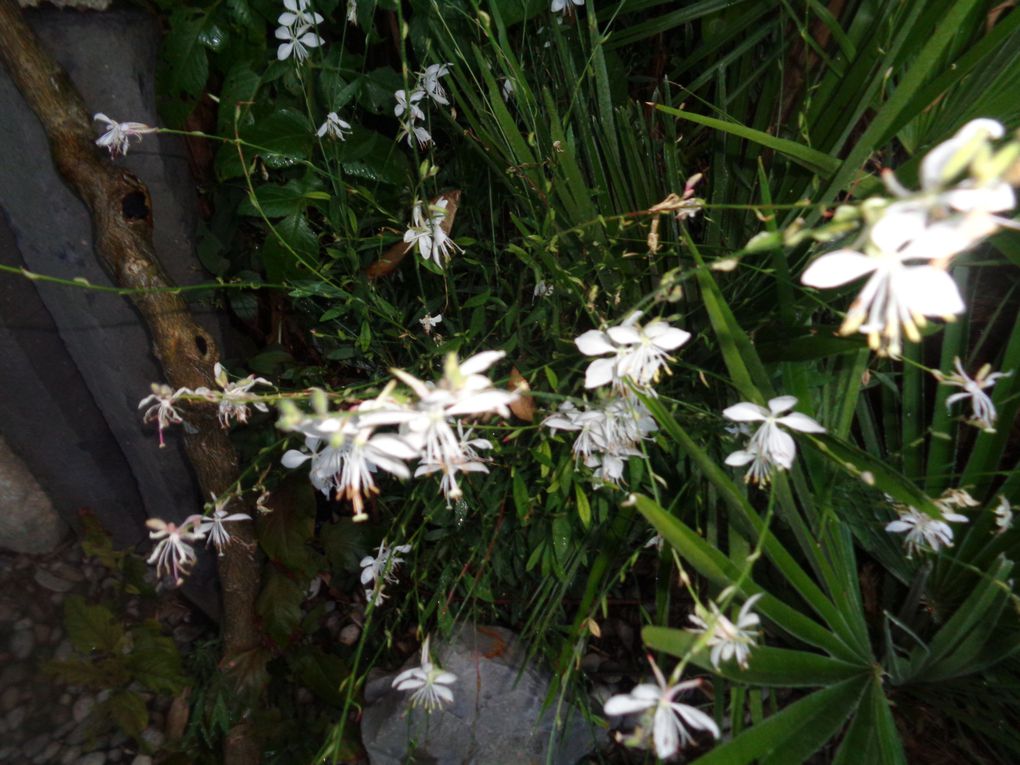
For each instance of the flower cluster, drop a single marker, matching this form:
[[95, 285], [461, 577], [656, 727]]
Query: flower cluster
[[983, 414], [607, 435], [769, 447], [637, 354], [346, 451], [726, 639], [926, 532], [297, 30], [379, 569], [408, 110], [669, 719], [234, 397], [911, 242], [428, 233], [429, 682]]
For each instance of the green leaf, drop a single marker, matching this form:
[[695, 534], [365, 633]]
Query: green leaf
[[281, 138], [279, 604], [795, 733], [283, 533], [815, 161], [583, 507], [154, 660], [320, 672], [872, 736], [128, 711], [91, 627], [372, 157], [240, 85], [291, 249], [346, 543], [777, 667]]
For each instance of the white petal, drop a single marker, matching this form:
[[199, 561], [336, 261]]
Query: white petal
[[292, 458], [670, 338], [928, 291], [625, 704], [781, 404], [696, 718], [594, 343], [599, 372], [801, 422], [745, 411], [838, 268], [480, 362], [898, 226], [739, 458], [624, 335]]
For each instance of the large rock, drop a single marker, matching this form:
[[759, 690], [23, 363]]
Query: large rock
[[75, 362], [28, 522], [497, 715]]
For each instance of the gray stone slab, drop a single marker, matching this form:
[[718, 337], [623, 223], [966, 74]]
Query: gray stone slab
[[497, 715]]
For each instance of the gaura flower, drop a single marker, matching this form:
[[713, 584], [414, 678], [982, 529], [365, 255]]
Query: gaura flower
[[670, 718], [923, 532], [296, 42], [905, 261], [769, 445], [409, 103], [564, 6], [297, 13], [542, 290], [638, 353], [334, 127], [429, 322], [163, 411], [983, 414], [173, 554], [430, 82], [728, 640], [382, 566], [213, 525], [428, 681], [428, 234], [118, 135]]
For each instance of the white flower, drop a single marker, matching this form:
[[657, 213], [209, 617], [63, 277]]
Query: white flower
[[639, 353], [955, 498], [507, 89], [542, 290], [1003, 515], [468, 462], [382, 567], [409, 103], [728, 640], [297, 14], [670, 719], [352, 12], [428, 235], [606, 436], [923, 532], [234, 400], [429, 322], [347, 462], [429, 682], [769, 445], [118, 135], [904, 285], [334, 127], [213, 525], [564, 6], [296, 42], [163, 411], [173, 554], [983, 414], [431, 85]]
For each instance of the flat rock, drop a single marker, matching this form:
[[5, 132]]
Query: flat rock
[[51, 582], [496, 717], [28, 521]]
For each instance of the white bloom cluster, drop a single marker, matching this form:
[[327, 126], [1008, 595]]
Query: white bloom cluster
[[607, 435], [911, 241], [670, 719], [235, 397], [983, 414], [297, 30], [346, 452], [407, 109], [428, 234], [118, 135], [380, 569], [638, 354], [925, 532], [726, 639], [769, 447]]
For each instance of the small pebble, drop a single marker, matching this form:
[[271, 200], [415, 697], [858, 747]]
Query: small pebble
[[82, 708], [51, 582], [142, 759], [21, 644], [93, 758]]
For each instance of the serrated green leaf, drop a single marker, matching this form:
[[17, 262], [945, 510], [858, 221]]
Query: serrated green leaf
[[91, 627], [128, 711]]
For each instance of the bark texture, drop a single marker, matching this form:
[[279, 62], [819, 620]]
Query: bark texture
[[121, 213]]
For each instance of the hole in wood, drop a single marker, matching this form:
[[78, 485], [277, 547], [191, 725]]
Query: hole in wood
[[134, 206], [201, 344]]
